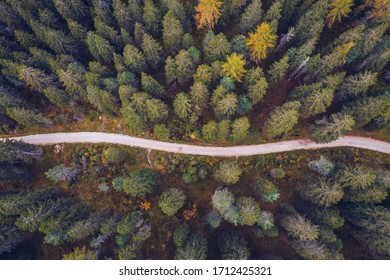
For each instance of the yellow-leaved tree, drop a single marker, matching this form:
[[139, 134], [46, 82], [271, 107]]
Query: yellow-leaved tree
[[259, 41], [338, 9], [234, 67], [207, 13]]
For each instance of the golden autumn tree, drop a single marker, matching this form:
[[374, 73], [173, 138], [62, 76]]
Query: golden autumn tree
[[379, 10], [234, 67], [207, 13], [338, 9], [259, 41]]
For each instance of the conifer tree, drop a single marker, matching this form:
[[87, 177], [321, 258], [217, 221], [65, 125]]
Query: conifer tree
[[260, 41], [234, 67], [153, 51], [282, 119], [240, 129], [151, 85], [258, 90], [134, 59], [172, 33], [182, 106], [338, 9], [151, 17], [278, 70], [216, 47], [251, 17], [331, 128], [207, 13], [28, 117], [99, 47], [210, 131], [227, 105]]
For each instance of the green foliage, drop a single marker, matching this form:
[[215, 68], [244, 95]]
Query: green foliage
[[114, 154], [358, 177], [151, 16], [171, 201], [228, 172], [182, 105], [226, 105], [213, 218], [299, 227], [161, 131], [28, 117], [210, 131], [62, 173], [249, 210], [134, 59], [215, 48], [141, 182], [233, 247], [203, 74], [195, 248], [80, 254], [151, 85], [240, 129], [282, 119], [153, 52], [257, 91], [99, 47], [172, 33], [331, 128], [320, 191], [180, 235], [14, 151], [223, 202], [266, 190], [323, 166], [128, 223], [251, 17], [356, 85], [266, 220]]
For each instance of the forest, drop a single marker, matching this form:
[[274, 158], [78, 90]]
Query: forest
[[207, 72]]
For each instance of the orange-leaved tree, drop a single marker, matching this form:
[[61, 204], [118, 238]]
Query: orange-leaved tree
[[234, 67], [338, 9], [207, 13], [259, 41]]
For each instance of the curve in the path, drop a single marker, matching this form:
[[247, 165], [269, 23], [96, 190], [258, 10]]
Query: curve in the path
[[304, 144]]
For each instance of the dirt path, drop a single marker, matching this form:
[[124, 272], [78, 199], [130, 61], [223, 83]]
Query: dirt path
[[303, 144]]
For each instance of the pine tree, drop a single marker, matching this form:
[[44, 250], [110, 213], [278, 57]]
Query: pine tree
[[233, 247], [228, 172], [320, 191], [156, 110], [172, 33], [249, 210], [37, 79], [153, 51], [151, 17], [260, 41], [367, 109], [122, 14], [299, 227], [217, 47], [282, 119], [171, 201], [210, 131], [207, 13], [99, 47], [258, 90], [370, 225], [338, 9], [103, 100], [331, 128], [240, 129], [28, 117], [182, 106], [331, 61], [317, 101], [134, 59], [199, 96], [185, 67], [315, 18], [14, 151], [70, 9], [151, 85], [223, 130], [227, 105], [251, 17], [274, 14], [356, 85], [278, 70]]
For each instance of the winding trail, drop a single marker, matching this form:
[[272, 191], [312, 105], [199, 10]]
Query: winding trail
[[233, 151]]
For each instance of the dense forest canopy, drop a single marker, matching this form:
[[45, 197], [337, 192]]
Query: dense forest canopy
[[234, 71]]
